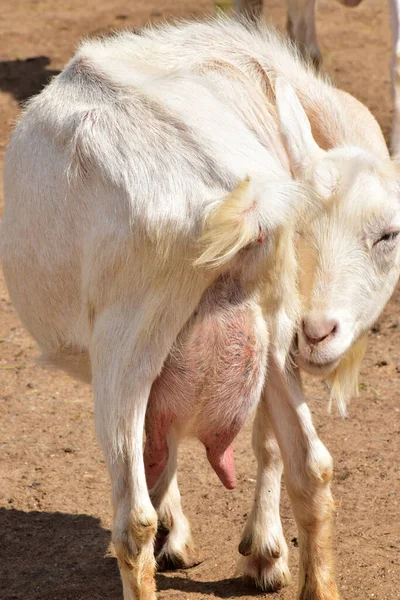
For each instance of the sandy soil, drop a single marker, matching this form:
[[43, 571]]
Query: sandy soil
[[55, 511]]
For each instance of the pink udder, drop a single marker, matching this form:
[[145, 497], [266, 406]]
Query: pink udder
[[219, 449], [211, 381], [223, 464]]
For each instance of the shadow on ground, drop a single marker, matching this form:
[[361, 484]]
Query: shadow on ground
[[222, 588], [57, 556], [25, 78]]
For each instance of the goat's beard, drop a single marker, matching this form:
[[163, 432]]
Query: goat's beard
[[343, 381], [341, 374]]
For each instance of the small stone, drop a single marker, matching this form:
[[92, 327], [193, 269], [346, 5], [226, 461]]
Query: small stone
[[382, 363]]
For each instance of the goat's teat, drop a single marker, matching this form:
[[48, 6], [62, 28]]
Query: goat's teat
[[318, 328]]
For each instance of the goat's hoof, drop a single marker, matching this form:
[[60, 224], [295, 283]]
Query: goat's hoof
[[266, 573], [327, 591], [170, 560], [171, 556]]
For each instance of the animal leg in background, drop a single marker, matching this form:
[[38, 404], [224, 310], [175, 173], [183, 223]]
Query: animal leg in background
[[395, 73], [251, 9], [301, 27]]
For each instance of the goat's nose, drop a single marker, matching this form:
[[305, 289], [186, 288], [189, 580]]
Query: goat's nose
[[317, 328]]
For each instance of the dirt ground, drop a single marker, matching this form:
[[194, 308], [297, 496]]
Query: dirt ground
[[55, 512]]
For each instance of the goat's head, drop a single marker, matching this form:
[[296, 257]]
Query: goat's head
[[348, 243]]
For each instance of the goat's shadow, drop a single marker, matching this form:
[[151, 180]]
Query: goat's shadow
[[48, 556], [24, 78], [221, 588]]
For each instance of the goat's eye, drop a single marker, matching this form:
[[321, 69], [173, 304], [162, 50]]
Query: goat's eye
[[390, 236]]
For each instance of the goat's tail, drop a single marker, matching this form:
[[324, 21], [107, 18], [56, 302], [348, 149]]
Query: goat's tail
[[343, 382], [229, 227]]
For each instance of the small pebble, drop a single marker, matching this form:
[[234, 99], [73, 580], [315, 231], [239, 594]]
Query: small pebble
[[382, 363]]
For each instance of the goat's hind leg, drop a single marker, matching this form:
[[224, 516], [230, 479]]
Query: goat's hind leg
[[126, 357], [174, 548], [263, 547], [121, 388]]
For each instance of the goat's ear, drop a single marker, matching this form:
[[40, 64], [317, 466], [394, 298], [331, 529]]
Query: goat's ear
[[231, 225], [325, 178], [295, 129]]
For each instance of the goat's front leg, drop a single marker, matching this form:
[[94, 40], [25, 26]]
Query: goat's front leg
[[395, 73], [301, 27], [174, 548], [263, 546], [308, 473]]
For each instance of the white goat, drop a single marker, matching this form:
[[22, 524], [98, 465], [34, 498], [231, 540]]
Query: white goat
[[109, 178], [302, 28]]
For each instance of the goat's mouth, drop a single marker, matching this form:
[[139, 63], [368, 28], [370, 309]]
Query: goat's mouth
[[317, 368], [319, 359]]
